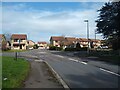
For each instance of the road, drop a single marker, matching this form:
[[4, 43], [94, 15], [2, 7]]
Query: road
[[77, 73]]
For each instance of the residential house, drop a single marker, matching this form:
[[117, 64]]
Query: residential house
[[96, 42], [42, 45], [57, 41], [19, 41], [30, 44], [83, 42], [70, 42]]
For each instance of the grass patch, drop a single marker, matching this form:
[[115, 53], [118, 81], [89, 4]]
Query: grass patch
[[14, 71], [15, 51]]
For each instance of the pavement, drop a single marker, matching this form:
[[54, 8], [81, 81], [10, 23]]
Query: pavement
[[40, 77], [77, 72]]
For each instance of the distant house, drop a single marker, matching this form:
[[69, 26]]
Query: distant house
[[42, 45], [30, 44], [64, 42], [83, 42], [19, 41], [57, 41], [70, 42], [96, 42]]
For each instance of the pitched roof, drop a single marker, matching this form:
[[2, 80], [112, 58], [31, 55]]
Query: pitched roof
[[68, 43], [95, 40], [70, 39], [19, 36], [83, 39], [42, 43], [57, 38]]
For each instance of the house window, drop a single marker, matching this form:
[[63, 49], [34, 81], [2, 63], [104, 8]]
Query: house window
[[15, 40], [56, 41]]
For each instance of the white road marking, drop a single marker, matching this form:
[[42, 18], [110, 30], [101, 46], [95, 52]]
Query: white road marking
[[83, 63], [73, 59], [109, 72], [59, 56], [39, 60]]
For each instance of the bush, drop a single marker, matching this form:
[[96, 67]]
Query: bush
[[59, 48], [70, 49], [76, 49], [52, 47], [55, 48], [83, 49], [35, 46]]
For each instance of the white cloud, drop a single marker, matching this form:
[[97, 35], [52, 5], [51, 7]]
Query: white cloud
[[70, 23]]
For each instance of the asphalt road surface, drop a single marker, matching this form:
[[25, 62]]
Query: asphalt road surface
[[77, 73]]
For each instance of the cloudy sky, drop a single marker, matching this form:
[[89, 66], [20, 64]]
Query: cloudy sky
[[41, 20]]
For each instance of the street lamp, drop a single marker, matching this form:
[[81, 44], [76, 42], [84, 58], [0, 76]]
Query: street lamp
[[95, 40], [87, 34]]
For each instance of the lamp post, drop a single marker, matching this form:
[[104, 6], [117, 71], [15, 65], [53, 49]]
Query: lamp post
[[87, 34], [95, 41]]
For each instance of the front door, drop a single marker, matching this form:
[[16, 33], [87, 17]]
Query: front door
[[20, 46]]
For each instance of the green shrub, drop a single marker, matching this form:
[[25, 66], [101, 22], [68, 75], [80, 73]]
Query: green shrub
[[76, 49], [70, 49], [35, 46], [83, 49], [52, 47], [59, 48], [55, 48]]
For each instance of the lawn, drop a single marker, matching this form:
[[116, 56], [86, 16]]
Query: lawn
[[14, 71], [15, 51]]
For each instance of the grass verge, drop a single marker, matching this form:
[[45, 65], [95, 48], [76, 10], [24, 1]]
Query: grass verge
[[14, 71], [15, 51]]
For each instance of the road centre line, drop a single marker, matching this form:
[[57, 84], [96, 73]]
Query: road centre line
[[109, 71], [59, 56], [83, 63], [77, 61], [39, 60], [73, 59]]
